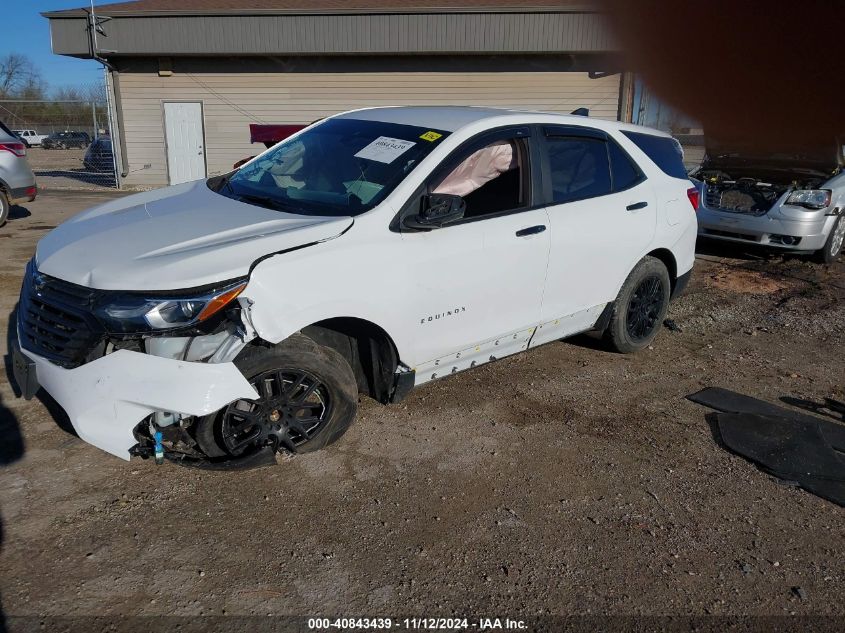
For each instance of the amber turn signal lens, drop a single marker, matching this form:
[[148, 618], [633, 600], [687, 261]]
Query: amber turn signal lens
[[219, 302]]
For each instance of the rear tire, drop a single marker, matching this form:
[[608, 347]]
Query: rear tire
[[246, 426], [5, 207], [833, 246], [640, 307]]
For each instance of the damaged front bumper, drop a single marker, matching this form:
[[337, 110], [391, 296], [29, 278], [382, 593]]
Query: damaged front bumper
[[107, 398]]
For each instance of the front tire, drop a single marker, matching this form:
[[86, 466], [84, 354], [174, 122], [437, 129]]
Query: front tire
[[640, 307], [5, 206], [309, 398], [833, 246]]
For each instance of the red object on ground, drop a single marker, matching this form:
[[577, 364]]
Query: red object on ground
[[271, 134]]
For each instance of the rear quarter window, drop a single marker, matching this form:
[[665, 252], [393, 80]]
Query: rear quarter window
[[665, 152], [625, 171]]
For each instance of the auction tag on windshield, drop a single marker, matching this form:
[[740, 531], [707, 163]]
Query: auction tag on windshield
[[385, 149], [430, 136]]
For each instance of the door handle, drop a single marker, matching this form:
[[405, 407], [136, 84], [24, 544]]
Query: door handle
[[636, 206], [531, 230]]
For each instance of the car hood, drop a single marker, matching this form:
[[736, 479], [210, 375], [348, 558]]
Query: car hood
[[178, 237], [737, 158]]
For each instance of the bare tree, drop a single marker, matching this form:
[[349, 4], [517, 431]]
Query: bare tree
[[69, 93], [96, 91], [18, 74]]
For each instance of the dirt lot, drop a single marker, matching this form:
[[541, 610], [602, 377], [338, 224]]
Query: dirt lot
[[564, 481], [64, 169]]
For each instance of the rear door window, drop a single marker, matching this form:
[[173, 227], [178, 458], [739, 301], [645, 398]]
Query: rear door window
[[664, 151], [578, 168]]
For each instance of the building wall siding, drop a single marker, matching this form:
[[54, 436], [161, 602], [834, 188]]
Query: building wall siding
[[571, 32], [232, 101]]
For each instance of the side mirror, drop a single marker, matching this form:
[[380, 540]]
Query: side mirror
[[437, 210]]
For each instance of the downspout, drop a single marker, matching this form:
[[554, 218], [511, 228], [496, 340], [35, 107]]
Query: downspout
[[115, 82], [118, 114]]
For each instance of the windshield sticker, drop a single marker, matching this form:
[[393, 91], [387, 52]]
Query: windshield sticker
[[385, 149], [430, 136]]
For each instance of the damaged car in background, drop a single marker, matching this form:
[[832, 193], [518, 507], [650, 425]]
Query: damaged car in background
[[218, 322], [787, 200]]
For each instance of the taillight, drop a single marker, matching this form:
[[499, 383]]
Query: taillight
[[18, 149], [693, 194]]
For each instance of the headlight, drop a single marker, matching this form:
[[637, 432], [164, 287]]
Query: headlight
[[137, 312], [814, 199]]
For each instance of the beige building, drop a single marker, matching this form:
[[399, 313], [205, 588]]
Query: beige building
[[186, 82]]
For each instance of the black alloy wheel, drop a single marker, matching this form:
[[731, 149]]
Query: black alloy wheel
[[307, 399], [640, 307], [644, 310], [294, 407]]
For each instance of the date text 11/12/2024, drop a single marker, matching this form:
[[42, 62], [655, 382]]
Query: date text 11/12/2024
[[443, 624]]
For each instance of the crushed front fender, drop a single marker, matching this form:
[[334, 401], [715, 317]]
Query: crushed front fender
[[108, 397]]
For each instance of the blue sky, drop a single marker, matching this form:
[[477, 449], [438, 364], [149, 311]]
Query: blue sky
[[27, 32]]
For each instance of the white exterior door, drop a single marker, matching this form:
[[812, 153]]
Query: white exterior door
[[185, 141], [597, 234], [476, 282]]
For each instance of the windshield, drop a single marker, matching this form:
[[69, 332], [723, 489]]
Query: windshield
[[338, 167]]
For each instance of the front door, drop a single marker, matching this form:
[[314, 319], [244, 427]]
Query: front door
[[185, 141], [477, 285]]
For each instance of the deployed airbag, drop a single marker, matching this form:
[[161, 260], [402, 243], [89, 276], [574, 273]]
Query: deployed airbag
[[479, 168]]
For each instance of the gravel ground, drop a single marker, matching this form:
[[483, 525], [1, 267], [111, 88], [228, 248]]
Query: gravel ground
[[564, 481]]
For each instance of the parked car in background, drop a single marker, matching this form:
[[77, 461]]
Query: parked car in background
[[99, 156], [66, 140], [221, 320], [788, 200], [31, 138], [17, 182]]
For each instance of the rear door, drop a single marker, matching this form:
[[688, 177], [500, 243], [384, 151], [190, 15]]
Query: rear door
[[602, 218]]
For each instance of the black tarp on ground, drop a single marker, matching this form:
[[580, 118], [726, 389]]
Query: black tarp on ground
[[787, 444]]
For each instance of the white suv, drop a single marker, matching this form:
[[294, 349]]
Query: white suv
[[219, 321], [31, 138]]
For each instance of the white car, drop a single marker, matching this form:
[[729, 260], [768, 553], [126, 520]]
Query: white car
[[219, 321], [30, 137], [790, 200]]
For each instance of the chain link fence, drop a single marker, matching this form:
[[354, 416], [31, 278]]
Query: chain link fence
[[69, 142]]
